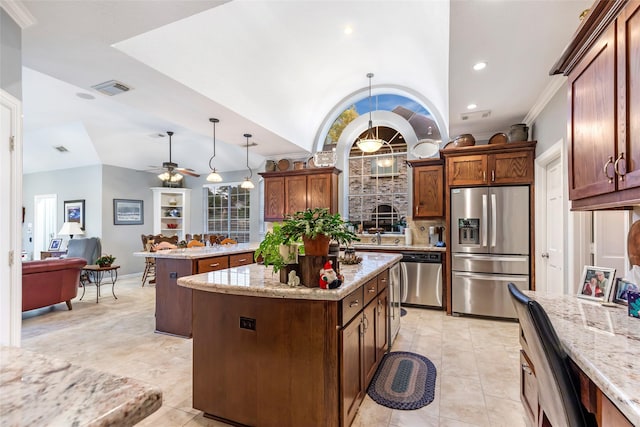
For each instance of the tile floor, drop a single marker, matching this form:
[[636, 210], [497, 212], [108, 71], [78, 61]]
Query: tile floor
[[477, 359]]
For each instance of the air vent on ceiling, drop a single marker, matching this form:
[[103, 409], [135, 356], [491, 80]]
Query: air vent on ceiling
[[61, 148], [112, 87], [475, 115]]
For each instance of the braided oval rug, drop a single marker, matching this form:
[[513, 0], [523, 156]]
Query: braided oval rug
[[404, 380]]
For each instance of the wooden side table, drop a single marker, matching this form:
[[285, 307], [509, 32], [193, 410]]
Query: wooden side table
[[51, 254], [97, 273]]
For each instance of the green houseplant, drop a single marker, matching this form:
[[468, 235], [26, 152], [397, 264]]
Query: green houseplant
[[317, 227], [275, 249], [105, 260]]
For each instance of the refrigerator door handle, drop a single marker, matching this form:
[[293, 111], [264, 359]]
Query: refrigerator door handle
[[493, 220], [484, 220], [491, 277]]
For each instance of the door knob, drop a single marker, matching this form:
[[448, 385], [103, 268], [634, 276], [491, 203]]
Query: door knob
[[545, 255]]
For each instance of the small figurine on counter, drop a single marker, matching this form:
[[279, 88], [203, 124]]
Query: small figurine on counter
[[294, 280], [329, 279]]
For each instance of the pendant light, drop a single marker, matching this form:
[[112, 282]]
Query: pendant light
[[370, 143], [247, 184], [214, 176], [170, 175]]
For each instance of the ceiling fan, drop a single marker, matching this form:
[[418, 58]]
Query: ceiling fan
[[172, 170]]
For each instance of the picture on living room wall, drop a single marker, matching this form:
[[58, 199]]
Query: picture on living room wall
[[74, 212], [596, 283], [55, 244], [128, 212]]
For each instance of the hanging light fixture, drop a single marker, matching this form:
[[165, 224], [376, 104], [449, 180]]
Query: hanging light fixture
[[170, 175], [247, 184], [370, 143], [214, 176]]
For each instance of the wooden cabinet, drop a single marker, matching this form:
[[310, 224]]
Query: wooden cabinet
[[528, 389], [491, 164], [293, 191], [603, 66], [171, 211], [428, 188], [364, 340]]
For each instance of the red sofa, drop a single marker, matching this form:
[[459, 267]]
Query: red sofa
[[50, 281]]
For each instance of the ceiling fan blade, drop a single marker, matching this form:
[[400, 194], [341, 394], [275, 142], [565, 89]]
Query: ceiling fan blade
[[188, 171]]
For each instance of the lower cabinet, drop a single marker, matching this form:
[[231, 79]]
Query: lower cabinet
[[364, 340], [528, 389]]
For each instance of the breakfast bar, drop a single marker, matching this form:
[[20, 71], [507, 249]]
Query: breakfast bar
[[268, 354]]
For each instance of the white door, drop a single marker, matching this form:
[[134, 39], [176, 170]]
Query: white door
[[45, 220], [610, 230], [550, 262]]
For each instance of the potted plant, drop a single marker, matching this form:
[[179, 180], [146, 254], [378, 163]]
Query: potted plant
[[276, 249], [317, 227], [105, 260]]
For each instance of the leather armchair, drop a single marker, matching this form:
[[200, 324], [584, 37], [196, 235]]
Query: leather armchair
[[89, 248], [50, 281]]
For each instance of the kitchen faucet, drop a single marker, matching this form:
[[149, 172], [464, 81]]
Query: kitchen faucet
[[378, 238]]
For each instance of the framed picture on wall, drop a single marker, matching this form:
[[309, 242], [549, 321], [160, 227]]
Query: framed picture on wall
[[74, 212], [596, 283], [128, 212]]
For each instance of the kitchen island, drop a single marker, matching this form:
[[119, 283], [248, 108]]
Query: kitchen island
[[173, 303], [268, 354], [603, 343], [38, 390]]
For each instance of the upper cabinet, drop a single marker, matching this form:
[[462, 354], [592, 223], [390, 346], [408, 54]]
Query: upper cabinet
[[171, 211], [501, 164], [603, 68], [292, 191], [428, 188]]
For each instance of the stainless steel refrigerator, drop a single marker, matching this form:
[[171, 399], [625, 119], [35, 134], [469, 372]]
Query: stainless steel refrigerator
[[490, 228]]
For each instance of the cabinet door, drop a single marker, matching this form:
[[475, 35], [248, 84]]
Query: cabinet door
[[511, 168], [295, 194], [528, 389], [369, 350], [351, 370], [592, 126], [319, 194], [628, 160], [467, 170], [428, 191], [382, 327], [274, 199]]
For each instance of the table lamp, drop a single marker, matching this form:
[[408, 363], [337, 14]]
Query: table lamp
[[70, 229]]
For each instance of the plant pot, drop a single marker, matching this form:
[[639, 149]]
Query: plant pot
[[104, 265], [316, 247]]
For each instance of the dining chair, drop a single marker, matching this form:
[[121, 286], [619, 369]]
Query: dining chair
[[559, 397], [149, 262]]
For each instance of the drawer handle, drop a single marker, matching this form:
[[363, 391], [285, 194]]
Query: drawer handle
[[527, 369], [605, 170], [372, 290], [617, 170], [366, 323], [242, 260], [383, 280], [214, 265], [354, 303]]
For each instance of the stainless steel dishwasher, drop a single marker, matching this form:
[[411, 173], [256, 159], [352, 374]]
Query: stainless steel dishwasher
[[421, 279]]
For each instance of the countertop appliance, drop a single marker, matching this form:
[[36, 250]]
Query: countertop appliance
[[421, 278], [489, 248], [394, 303]]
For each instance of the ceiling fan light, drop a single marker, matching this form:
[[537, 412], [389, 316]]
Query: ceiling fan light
[[214, 177], [369, 145], [171, 177], [247, 184]]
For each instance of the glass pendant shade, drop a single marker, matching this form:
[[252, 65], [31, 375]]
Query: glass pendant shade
[[247, 184], [385, 162], [171, 177], [214, 177], [370, 143]]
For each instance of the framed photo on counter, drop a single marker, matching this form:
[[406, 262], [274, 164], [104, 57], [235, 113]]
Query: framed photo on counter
[[620, 291], [596, 283]]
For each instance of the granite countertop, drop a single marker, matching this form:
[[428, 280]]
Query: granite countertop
[[398, 247], [38, 390], [200, 252], [258, 280], [604, 342]]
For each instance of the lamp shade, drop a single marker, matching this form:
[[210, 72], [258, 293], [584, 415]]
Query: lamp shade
[[369, 145], [247, 184], [70, 229]]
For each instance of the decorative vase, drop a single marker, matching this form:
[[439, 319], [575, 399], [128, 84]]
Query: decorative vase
[[518, 132], [318, 246]]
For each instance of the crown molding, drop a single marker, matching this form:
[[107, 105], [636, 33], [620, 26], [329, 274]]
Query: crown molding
[[18, 12], [548, 92]]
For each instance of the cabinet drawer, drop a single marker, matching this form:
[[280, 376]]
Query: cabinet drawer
[[352, 304], [212, 264], [383, 280], [370, 290], [236, 260]]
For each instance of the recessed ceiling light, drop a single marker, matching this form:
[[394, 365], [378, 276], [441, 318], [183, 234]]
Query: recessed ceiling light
[[472, 107], [348, 29], [480, 65]]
